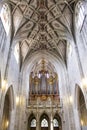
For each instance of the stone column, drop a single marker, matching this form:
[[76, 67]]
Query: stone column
[[51, 122], [37, 122], [77, 119]]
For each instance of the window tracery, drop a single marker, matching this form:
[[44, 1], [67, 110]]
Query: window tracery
[[33, 123], [81, 21], [80, 14], [3, 36], [44, 123], [5, 17], [55, 123]]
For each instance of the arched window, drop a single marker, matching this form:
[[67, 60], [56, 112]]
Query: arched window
[[5, 24], [33, 123], [7, 109], [81, 21], [3, 36], [5, 17], [55, 123], [44, 123], [80, 14]]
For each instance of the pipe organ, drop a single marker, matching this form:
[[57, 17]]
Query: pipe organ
[[43, 83]]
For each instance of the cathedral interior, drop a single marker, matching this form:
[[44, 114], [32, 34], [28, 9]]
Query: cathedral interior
[[43, 65]]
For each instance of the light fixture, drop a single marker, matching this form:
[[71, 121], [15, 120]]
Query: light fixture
[[4, 85], [20, 100], [81, 122], [84, 83], [71, 99], [7, 123], [17, 100]]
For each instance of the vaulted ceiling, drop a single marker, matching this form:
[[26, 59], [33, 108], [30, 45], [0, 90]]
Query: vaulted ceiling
[[42, 25]]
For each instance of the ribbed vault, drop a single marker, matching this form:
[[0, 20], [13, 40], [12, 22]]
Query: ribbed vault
[[42, 25]]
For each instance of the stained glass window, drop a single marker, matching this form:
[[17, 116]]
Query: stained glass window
[[80, 14], [55, 123], [33, 123], [44, 123], [5, 17]]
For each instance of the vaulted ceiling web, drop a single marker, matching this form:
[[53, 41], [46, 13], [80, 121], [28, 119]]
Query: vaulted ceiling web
[[42, 25]]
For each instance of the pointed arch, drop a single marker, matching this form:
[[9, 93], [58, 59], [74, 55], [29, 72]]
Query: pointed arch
[[31, 122], [80, 107], [7, 109], [44, 122], [57, 123], [11, 95], [78, 89]]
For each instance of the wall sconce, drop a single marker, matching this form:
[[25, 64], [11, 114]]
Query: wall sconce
[[17, 100], [71, 99], [82, 122], [84, 83], [7, 123], [4, 85]]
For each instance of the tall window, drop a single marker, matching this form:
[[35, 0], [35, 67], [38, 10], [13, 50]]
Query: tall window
[[81, 21], [80, 14], [5, 17], [55, 123], [44, 123], [33, 123], [3, 36]]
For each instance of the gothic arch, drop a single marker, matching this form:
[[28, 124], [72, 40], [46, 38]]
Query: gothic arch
[[44, 113], [7, 109], [44, 122], [76, 99], [80, 107], [31, 122], [59, 66], [58, 119], [11, 95]]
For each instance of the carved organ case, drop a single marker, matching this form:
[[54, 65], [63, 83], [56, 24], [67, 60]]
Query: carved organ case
[[43, 81]]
